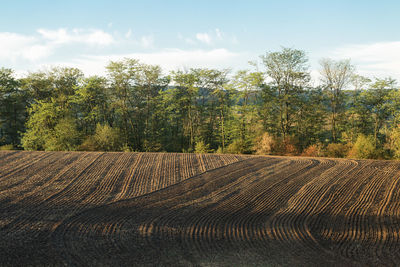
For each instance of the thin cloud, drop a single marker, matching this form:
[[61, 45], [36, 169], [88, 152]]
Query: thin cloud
[[128, 34], [374, 60], [204, 38], [169, 59], [219, 34], [186, 40], [46, 48], [147, 41], [64, 36], [15, 46]]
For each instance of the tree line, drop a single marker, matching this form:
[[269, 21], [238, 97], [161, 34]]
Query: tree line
[[273, 109]]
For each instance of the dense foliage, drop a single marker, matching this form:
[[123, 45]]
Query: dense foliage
[[135, 107]]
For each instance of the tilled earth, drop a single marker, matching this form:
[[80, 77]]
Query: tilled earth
[[166, 209]]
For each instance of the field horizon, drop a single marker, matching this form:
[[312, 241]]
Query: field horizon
[[181, 209]]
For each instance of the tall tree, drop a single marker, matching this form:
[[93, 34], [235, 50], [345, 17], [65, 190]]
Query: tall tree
[[376, 102], [187, 93], [13, 103], [288, 71], [122, 80], [149, 83], [92, 104], [336, 76], [248, 85]]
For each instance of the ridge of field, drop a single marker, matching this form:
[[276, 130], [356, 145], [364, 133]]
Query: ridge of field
[[118, 209]]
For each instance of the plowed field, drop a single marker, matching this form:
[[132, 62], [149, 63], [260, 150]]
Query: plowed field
[[164, 209]]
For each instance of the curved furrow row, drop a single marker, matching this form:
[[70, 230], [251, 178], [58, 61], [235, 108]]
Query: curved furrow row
[[128, 180], [234, 202], [372, 230], [326, 224], [392, 219], [38, 206], [384, 230], [111, 181], [314, 196], [155, 172], [142, 176], [256, 204], [36, 185], [163, 202], [200, 234], [354, 232], [10, 157], [11, 177], [83, 209], [206, 227], [288, 224], [13, 160], [170, 219], [29, 193], [336, 207]]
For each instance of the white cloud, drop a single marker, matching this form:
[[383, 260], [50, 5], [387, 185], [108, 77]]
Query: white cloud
[[63, 36], [219, 34], [47, 47], [147, 41], [234, 40], [374, 60], [15, 46], [169, 59], [128, 34], [97, 37], [186, 40], [204, 37]]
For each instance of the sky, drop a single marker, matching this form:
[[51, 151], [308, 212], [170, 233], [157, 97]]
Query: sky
[[35, 35]]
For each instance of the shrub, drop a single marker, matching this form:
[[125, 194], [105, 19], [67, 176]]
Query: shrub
[[337, 150], [314, 150], [220, 150], [151, 146], [64, 137], [236, 147], [287, 146], [265, 144], [363, 148], [394, 142], [105, 138], [201, 147], [7, 147], [34, 139]]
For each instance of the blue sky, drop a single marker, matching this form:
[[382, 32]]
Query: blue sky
[[183, 34]]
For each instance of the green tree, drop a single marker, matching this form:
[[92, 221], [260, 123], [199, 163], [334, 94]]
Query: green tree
[[248, 86], [378, 109], [125, 99], [13, 103], [43, 118], [288, 71], [336, 76], [309, 120], [64, 136], [149, 83], [186, 94], [105, 138], [363, 148], [394, 141], [357, 113], [91, 104]]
